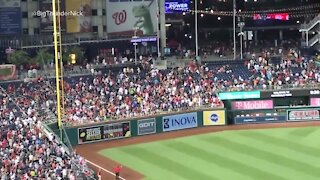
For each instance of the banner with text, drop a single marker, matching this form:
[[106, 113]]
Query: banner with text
[[248, 105], [81, 22], [124, 17], [179, 121], [259, 119], [46, 16], [303, 114], [239, 95], [10, 17], [147, 126], [290, 93], [104, 132], [176, 6], [217, 117]]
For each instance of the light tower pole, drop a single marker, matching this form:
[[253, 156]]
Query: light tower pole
[[241, 25], [135, 37], [196, 27], [234, 30]]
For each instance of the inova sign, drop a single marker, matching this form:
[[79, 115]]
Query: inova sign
[[146, 126], [180, 121]]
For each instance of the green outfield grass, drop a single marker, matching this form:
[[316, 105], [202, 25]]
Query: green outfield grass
[[272, 154]]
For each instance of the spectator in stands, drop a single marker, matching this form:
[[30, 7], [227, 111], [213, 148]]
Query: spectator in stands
[[25, 151]]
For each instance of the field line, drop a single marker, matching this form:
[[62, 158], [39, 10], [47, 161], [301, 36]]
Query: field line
[[103, 169]]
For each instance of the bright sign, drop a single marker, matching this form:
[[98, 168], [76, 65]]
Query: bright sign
[[126, 17], [315, 101], [247, 105], [239, 95], [176, 6], [145, 39], [272, 16]]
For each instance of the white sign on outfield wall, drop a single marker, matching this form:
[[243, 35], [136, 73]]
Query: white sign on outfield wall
[[125, 16]]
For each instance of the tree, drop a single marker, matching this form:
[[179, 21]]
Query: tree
[[19, 57], [43, 57], [78, 51]]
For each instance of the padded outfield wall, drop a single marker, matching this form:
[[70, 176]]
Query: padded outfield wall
[[119, 129], [114, 130]]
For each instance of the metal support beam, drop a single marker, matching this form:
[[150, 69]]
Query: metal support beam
[[163, 36], [196, 27], [234, 30]]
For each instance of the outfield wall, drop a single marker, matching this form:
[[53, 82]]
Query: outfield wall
[[278, 114], [144, 126], [240, 108], [179, 121]]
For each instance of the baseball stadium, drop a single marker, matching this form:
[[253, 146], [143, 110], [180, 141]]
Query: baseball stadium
[[160, 89]]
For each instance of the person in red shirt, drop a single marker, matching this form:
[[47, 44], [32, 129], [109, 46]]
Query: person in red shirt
[[117, 170]]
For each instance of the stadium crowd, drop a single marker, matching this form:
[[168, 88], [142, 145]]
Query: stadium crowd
[[130, 92], [262, 73], [145, 90], [26, 151]]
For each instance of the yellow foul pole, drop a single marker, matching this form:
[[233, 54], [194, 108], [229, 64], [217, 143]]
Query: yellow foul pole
[[61, 62], [56, 54]]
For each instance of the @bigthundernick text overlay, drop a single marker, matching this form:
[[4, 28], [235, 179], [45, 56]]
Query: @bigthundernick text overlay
[[62, 13]]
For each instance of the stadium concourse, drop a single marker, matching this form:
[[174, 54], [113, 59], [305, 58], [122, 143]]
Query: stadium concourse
[[118, 93]]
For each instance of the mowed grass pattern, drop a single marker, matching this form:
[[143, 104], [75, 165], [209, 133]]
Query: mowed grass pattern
[[272, 154]]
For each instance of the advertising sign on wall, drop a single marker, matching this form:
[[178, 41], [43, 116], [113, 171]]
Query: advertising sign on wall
[[217, 117], [90, 134], [10, 17], [104, 132], [259, 119], [315, 101], [239, 95], [146, 126], [290, 93], [179, 121], [247, 105], [46, 16], [145, 39], [277, 94], [314, 92], [123, 17], [303, 115], [83, 21], [176, 6]]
